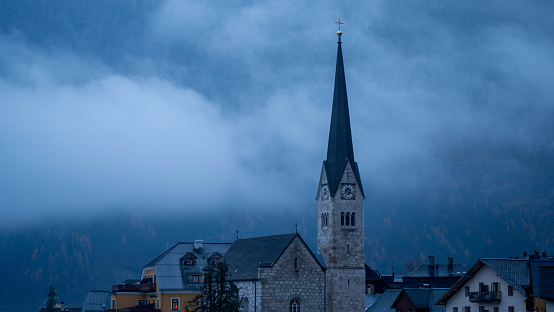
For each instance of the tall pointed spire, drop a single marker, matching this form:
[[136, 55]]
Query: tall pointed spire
[[339, 149]]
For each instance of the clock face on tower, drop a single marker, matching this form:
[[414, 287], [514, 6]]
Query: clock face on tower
[[325, 192], [348, 191]]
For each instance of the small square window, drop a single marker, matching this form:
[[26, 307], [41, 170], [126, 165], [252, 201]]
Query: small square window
[[455, 309]]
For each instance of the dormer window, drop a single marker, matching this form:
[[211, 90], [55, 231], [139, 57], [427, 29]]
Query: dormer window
[[214, 259], [188, 259]]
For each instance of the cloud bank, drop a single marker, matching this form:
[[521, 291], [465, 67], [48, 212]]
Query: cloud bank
[[185, 106]]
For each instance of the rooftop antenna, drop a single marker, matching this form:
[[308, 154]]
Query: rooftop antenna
[[237, 234]]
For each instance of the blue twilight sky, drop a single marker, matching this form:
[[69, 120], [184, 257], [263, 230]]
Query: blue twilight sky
[[198, 105]]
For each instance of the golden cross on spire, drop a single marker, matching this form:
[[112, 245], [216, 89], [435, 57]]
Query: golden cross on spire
[[339, 33], [339, 23]]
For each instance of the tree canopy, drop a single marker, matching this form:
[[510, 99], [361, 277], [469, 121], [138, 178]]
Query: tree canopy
[[218, 295]]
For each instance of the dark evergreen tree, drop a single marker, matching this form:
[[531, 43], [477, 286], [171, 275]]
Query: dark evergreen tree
[[51, 299], [218, 295]]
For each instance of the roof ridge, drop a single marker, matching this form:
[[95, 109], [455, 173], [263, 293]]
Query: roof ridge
[[258, 237]]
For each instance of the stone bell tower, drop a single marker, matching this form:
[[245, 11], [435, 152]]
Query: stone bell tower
[[340, 239]]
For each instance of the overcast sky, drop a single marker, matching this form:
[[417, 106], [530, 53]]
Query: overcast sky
[[184, 105]]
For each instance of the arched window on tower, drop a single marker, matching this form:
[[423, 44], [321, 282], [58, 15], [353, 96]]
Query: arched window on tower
[[347, 218], [353, 219], [323, 220], [342, 218], [294, 305]]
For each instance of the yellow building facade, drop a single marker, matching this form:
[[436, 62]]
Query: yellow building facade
[[169, 281]]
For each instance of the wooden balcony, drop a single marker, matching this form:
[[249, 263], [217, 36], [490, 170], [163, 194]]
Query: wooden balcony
[[488, 296], [145, 287], [140, 308]]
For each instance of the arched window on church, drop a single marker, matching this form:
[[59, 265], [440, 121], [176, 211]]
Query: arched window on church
[[353, 219], [294, 305], [347, 218], [342, 218], [322, 220]]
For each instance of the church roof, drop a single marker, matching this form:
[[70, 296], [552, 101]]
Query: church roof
[[246, 255], [339, 149]]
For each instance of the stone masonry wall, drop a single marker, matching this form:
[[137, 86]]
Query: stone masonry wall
[[282, 283], [250, 290]]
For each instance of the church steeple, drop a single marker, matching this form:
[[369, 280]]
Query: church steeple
[[340, 209], [339, 148]]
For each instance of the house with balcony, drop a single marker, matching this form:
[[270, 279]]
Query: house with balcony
[[170, 280], [500, 285]]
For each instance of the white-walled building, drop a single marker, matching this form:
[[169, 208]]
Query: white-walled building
[[497, 285]]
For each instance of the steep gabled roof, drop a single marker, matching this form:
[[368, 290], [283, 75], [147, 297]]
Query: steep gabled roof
[[419, 297], [246, 255], [339, 149], [385, 301], [423, 298], [515, 272]]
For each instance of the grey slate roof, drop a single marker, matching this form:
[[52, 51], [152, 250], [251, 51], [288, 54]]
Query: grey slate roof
[[425, 298], [371, 299], [339, 149], [385, 301], [514, 271], [96, 301], [546, 282], [171, 275], [246, 255], [436, 294], [419, 296], [438, 270]]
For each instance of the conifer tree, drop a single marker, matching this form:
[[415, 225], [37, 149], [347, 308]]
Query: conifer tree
[[218, 295], [51, 299]]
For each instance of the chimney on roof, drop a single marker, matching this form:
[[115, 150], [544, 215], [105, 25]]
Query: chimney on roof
[[544, 252], [431, 261], [198, 244], [537, 255], [450, 263]]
